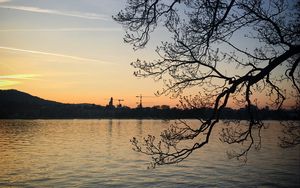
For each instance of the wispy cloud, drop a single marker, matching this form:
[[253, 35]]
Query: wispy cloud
[[84, 15], [53, 54], [15, 79], [19, 76], [4, 1], [5, 83], [63, 30]]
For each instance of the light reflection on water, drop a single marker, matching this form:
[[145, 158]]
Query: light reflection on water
[[97, 153]]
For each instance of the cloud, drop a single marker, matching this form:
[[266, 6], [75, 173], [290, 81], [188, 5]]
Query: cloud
[[19, 76], [4, 1], [53, 54], [15, 79], [5, 83], [63, 29], [84, 15]]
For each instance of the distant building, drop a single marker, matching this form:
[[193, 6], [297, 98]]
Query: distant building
[[110, 103]]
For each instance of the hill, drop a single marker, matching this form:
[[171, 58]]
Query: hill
[[13, 97], [17, 104]]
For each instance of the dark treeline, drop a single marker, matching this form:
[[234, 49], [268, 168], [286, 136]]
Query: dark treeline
[[18, 105]]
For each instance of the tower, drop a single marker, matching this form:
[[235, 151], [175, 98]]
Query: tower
[[111, 103]]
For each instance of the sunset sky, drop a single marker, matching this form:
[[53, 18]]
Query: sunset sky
[[72, 51]]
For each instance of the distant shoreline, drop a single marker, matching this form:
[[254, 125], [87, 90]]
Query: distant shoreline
[[19, 105]]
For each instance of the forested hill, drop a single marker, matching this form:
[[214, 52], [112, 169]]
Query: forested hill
[[14, 97], [19, 105]]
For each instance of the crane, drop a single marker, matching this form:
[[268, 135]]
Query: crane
[[140, 103], [119, 100]]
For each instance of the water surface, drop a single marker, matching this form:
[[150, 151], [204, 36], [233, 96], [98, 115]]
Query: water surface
[[97, 153]]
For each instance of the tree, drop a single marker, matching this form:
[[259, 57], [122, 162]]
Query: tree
[[205, 43]]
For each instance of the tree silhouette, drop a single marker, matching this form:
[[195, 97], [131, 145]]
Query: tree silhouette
[[207, 42]]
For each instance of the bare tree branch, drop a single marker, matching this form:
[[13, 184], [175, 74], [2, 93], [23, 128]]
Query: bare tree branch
[[201, 53]]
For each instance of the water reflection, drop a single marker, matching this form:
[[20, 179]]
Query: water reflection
[[119, 127], [15, 130], [139, 127], [97, 153], [109, 136]]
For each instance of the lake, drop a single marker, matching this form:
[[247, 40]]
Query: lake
[[97, 153]]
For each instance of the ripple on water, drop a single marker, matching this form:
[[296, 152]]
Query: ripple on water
[[97, 153]]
